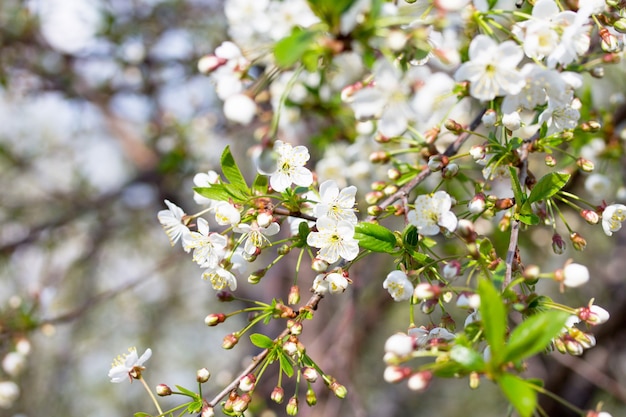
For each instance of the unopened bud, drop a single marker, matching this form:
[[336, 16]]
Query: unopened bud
[[163, 390], [203, 375], [478, 152], [210, 63], [247, 383], [465, 229], [278, 395], [578, 242], [477, 204], [214, 319], [451, 270], [428, 306], [374, 211], [531, 272], [393, 174], [284, 250], [292, 406], [295, 327], [378, 185], [426, 291], [453, 126], [591, 126], [241, 404], [255, 277], [437, 162], [585, 164], [558, 244], [590, 216], [550, 161], [474, 380], [419, 381], [207, 411], [339, 390], [573, 347], [593, 314], [620, 25], [374, 197], [609, 41], [489, 118], [379, 157], [319, 265], [311, 399], [394, 373], [390, 189], [503, 203], [230, 340], [294, 295], [310, 374], [450, 171]]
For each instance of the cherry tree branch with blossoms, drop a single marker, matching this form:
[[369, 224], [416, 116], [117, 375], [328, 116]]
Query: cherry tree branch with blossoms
[[399, 82]]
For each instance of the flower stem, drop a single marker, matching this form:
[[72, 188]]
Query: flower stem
[[154, 400]]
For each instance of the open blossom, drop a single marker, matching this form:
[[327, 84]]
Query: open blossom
[[173, 222], [337, 283], [338, 205], [290, 167], [492, 68], [129, 365], [398, 285], [335, 240], [208, 248], [612, 218], [220, 278], [256, 236], [432, 212]]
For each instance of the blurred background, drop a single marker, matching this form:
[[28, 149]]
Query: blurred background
[[103, 115]]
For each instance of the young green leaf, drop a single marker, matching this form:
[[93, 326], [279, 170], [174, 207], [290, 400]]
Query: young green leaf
[[519, 393], [232, 173], [290, 49], [285, 364], [471, 360], [534, 334], [547, 186], [493, 316], [519, 195], [375, 237], [259, 186], [262, 341], [187, 392]]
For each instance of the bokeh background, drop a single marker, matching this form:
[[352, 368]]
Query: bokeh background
[[103, 115]]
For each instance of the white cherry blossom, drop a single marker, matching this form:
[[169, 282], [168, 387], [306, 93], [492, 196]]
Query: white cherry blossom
[[290, 167], [612, 218], [336, 204], [433, 212], [491, 69], [226, 214], [220, 278], [398, 285], [335, 240], [208, 248], [256, 236], [173, 222], [128, 366]]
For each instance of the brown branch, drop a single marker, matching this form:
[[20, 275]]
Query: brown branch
[[311, 305], [452, 149]]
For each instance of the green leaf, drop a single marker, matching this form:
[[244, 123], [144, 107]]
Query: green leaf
[[469, 358], [232, 173], [519, 393], [222, 192], [187, 392], [285, 364], [375, 237], [519, 195], [410, 237], [547, 186], [493, 316], [330, 11], [259, 186], [290, 49], [530, 219], [534, 334], [262, 341], [303, 233], [142, 414]]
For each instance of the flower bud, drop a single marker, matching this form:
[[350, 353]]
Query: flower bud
[[585, 165], [284, 250], [477, 204], [590, 216], [453, 126], [478, 152], [558, 244], [620, 25], [578, 242], [277, 395], [428, 306], [394, 374], [214, 319], [393, 174], [419, 381], [374, 210], [531, 272], [593, 314], [390, 189], [210, 63], [295, 328], [450, 171], [503, 203], [572, 275], [573, 347], [163, 390], [339, 390], [426, 291], [240, 404], [310, 374], [319, 265], [247, 383], [465, 229], [550, 161], [374, 197], [294, 295], [207, 411], [609, 41], [203, 375], [489, 118], [379, 157], [512, 121], [255, 277], [437, 162], [14, 363], [230, 340], [597, 72], [292, 406], [474, 380]]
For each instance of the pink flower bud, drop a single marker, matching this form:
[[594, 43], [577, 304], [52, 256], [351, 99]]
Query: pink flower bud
[[278, 395], [247, 383], [419, 381], [394, 374], [590, 216]]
